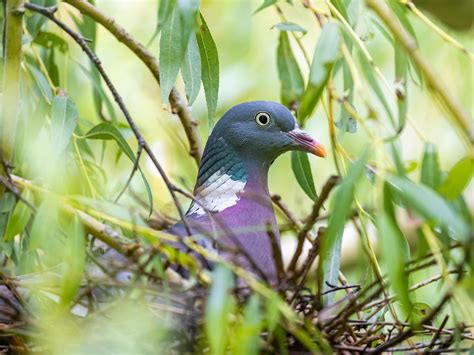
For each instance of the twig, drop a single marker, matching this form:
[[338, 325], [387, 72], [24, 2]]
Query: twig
[[406, 334], [459, 114], [435, 28], [335, 288], [14, 190], [136, 165], [295, 223], [49, 13], [332, 181], [177, 102], [411, 289], [276, 252], [438, 332], [307, 265]]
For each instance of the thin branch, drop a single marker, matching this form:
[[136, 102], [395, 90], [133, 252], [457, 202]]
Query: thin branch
[[406, 334], [438, 332], [460, 116], [136, 165], [332, 181], [49, 13], [15, 191], [276, 252], [177, 102]]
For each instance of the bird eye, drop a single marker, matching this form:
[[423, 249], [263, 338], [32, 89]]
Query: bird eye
[[262, 118]]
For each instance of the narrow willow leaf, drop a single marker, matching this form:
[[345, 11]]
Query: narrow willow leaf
[[165, 9], [19, 218], [395, 251], [51, 40], [401, 78], [458, 178], [290, 26], [44, 225], [99, 95], [401, 12], [396, 153], [248, 334], [302, 170], [106, 131], [41, 83], [188, 11], [191, 70], [428, 204], [430, 171], [73, 267], [36, 21], [291, 80], [219, 305], [209, 68], [52, 67], [330, 250], [7, 204], [63, 121], [325, 55], [172, 52], [341, 7], [368, 73], [346, 123], [266, 3]]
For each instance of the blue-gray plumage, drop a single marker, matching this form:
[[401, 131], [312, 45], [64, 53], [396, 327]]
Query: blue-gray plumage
[[234, 212]]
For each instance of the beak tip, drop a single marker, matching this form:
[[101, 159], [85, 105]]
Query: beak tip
[[320, 151]]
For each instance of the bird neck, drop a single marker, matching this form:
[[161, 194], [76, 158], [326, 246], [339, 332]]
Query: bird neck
[[225, 177]]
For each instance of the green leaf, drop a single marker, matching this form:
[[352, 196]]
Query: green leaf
[[346, 123], [290, 26], [165, 11], [7, 203], [248, 334], [44, 225], [40, 81], [219, 305], [428, 204], [73, 267], [368, 73], [399, 164], [330, 250], [401, 78], [291, 80], [325, 55], [51, 40], [395, 251], [266, 3], [19, 218], [302, 170], [63, 121], [172, 52], [458, 178], [188, 11], [36, 21], [209, 68], [106, 131], [191, 70], [430, 171]]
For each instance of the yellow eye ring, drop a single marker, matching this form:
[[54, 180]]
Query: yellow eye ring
[[262, 118]]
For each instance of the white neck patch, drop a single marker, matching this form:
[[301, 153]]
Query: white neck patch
[[217, 193]]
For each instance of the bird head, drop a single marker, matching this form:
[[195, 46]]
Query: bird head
[[263, 130]]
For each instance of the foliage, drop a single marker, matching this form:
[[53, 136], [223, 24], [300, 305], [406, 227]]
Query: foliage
[[62, 178]]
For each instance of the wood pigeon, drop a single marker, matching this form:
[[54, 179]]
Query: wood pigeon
[[232, 213]]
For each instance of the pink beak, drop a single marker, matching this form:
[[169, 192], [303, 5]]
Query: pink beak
[[307, 143]]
